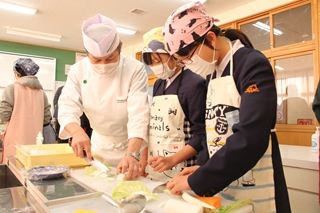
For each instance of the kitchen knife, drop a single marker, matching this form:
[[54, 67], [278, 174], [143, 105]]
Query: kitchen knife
[[160, 188], [97, 164]]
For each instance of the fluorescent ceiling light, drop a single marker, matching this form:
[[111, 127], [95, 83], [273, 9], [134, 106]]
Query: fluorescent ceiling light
[[267, 28], [125, 31], [33, 34], [201, 1], [278, 67], [17, 8]]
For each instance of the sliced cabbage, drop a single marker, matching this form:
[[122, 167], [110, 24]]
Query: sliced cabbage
[[91, 171], [121, 177], [127, 188]]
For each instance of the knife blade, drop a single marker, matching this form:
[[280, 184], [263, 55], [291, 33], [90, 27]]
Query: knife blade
[[160, 188], [97, 164]]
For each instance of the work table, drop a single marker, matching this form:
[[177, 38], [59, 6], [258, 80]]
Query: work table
[[80, 190], [301, 169], [299, 156]]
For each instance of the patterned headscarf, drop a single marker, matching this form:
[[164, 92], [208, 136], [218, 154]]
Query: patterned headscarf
[[185, 25], [153, 41], [26, 65]]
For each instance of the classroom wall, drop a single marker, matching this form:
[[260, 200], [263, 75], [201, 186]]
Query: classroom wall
[[62, 56], [68, 57], [226, 17]]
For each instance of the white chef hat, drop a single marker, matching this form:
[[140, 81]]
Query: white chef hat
[[100, 35]]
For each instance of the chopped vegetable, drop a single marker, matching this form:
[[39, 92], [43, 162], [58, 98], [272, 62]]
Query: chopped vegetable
[[233, 206], [212, 201], [121, 177], [127, 188], [107, 166], [91, 171]]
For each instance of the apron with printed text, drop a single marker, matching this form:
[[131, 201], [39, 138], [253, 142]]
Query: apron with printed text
[[166, 132], [222, 111], [106, 109]]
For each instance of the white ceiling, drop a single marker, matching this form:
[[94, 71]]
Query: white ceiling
[[65, 18]]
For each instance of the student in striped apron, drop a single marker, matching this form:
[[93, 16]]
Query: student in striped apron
[[243, 158]]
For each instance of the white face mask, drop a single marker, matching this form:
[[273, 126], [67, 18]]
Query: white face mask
[[105, 69], [200, 66], [163, 71]]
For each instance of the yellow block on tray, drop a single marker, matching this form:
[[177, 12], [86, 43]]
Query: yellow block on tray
[[48, 155]]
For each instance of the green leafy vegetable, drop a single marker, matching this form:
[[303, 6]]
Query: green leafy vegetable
[[127, 188], [91, 171], [233, 206]]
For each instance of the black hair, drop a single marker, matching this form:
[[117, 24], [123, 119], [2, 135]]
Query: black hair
[[232, 34], [20, 71], [147, 59]]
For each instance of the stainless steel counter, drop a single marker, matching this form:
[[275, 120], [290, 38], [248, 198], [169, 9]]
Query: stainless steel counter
[[41, 195], [80, 191]]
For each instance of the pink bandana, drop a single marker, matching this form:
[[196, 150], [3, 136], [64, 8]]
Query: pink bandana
[[185, 25]]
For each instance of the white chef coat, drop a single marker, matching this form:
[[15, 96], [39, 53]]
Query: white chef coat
[[116, 104]]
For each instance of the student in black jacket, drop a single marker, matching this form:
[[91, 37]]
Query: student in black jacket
[[242, 161]]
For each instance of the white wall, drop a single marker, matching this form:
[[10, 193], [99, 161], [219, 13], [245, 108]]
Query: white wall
[[228, 16]]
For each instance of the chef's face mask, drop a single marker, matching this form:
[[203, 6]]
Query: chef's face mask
[[201, 66], [105, 69], [163, 71]]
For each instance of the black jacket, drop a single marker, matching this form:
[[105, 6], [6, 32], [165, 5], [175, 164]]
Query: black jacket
[[250, 140]]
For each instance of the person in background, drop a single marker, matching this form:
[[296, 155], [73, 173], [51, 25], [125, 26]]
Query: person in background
[[294, 107], [316, 110], [112, 90], [316, 103], [84, 122], [178, 105], [25, 109], [240, 113], [55, 115]]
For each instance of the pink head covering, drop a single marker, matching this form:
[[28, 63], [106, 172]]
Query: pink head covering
[[100, 35], [185, 25]]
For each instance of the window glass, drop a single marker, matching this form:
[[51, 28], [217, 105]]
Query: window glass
[[293, 26], [259, 33], [295, 88]]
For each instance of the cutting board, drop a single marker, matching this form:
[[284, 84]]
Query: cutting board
[[153, 206], [101, 186]]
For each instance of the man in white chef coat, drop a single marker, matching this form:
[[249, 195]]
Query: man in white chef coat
[[112, 90]]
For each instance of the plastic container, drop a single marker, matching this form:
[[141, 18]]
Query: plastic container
[[39, 139], [48, 155], [315, 141]]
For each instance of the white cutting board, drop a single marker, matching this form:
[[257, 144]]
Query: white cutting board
[[102, 186], [153, 206]]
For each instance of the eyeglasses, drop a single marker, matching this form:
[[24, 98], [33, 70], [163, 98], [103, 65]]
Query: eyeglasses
[[188, 60]]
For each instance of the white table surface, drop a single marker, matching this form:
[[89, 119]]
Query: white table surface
[[99, 185], [299, 156]]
